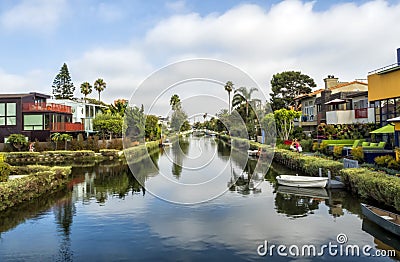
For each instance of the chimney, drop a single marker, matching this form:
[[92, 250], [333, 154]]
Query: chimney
[[398, 56], [330, 81]]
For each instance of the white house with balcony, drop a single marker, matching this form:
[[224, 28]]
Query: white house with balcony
[[351, 110], [82, 111], [337, 103]]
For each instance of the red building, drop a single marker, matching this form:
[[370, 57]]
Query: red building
[[30, 115]]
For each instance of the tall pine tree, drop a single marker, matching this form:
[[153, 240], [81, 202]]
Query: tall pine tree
[[63, 88]]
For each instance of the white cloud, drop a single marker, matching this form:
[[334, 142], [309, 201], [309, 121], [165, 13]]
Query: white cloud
[[41, 15], [17, 83], [346, 40], [123, 69]]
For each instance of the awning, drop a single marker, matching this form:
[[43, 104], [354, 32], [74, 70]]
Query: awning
[[388, 129], [335, 101], [395, 119]]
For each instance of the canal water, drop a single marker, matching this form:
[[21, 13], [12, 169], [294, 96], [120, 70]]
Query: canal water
[[106, 214]]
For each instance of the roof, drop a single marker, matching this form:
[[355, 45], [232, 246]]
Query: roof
[[24, 95], [347, 84], [358, 94], [332, 88], [310, 94]]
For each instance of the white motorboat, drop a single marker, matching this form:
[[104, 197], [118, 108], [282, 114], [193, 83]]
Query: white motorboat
[[252, 152], [302, 181]]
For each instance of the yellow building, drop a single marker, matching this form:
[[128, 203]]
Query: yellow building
[[384, 94]]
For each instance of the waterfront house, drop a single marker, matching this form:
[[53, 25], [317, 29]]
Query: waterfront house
[[384, 95], [337, 103], [82, 111], [32, 115]]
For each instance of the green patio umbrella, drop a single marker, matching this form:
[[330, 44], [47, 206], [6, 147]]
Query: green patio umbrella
[[388, 129]]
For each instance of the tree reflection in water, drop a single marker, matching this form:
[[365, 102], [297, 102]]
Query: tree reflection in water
[[180, 149], [295, 206], [64, 210]]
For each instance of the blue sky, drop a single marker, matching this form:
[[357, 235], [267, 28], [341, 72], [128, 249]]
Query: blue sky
[[124, 41]]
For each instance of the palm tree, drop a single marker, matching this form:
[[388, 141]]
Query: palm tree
[[99, 86], [86, 88], [229, 88], [56, 137], [65, 138], [175, 102], [243, 96]]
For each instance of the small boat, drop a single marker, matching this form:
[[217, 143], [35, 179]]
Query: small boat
[[166, 143], [252, 152], [385, 219], [302, 181], [381, 235], [304, 192]]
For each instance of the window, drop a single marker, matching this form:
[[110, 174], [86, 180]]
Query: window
[[11, 114], [33, 122], [8, 114], [2, 114]]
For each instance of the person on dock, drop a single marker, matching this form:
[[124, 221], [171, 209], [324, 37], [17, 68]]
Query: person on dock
[[31, 147], [295, 146]]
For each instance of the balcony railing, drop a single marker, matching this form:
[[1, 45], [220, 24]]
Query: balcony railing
[[65, 126], [46, 107], [361, 113], [308, 118]]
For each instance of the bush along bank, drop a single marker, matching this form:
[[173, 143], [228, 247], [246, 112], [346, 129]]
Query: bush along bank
[[373, 185], [308, 164], [49, 156], [137, 153], [42, 180], [364, 182]]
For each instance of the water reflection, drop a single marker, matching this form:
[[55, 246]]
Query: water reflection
[[180, 149], [383, 239], [64, 210], [113, 179], [296, 206], [105, 213]]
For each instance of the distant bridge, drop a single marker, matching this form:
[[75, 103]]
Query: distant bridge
[[199, 132]]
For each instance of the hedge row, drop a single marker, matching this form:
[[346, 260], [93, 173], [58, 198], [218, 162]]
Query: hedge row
[[137, 153], [49, 156], [47, 180], [308, 164], [374, 185]]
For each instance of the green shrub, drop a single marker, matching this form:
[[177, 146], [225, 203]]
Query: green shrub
[[337, 152], [92, 143], [383, 161], [17, 141], [77, 144], [323, 148], [109, 152], [358, 154], [115, 144], [307, 145], [315, 147], [308, 164], [283, 146], [24, 189], [5, 170], [374, 185], [393, 164]]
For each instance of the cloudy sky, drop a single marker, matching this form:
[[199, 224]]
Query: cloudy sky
[[125, 41]]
